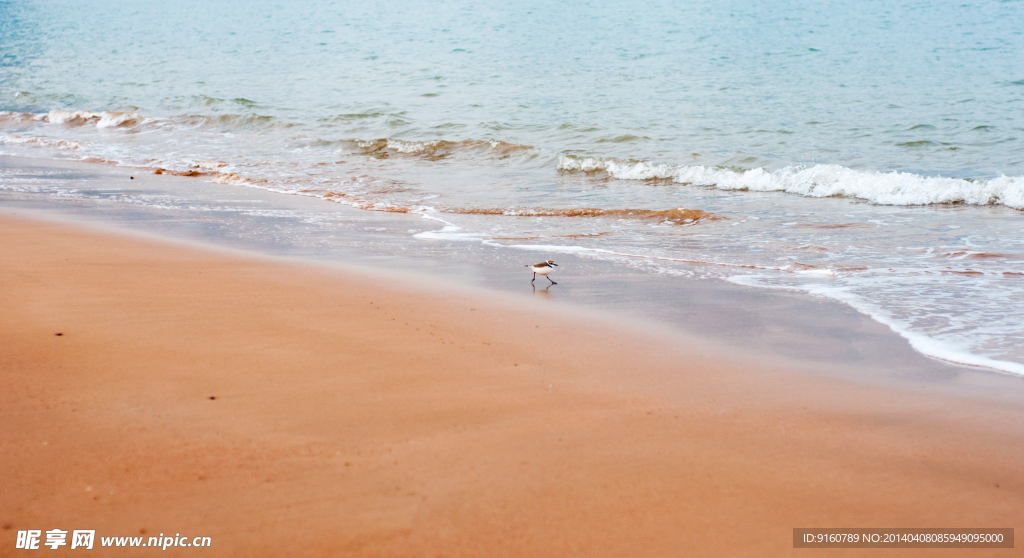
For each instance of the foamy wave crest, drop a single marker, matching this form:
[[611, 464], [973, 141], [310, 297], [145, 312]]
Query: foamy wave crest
[[10, 116], [45, 142], [101, 119], [819, 181]]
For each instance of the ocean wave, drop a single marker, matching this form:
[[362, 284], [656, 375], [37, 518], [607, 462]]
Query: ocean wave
[[818, 181], [101, 119], [41, 141], [114, 119], [434, 149], [239, 121], [207, 101], [7, 116]]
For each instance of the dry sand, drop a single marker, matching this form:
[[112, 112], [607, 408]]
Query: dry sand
[[287, 410]]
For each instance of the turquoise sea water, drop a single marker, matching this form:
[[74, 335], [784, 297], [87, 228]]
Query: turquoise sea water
[[872, 152], [929, 87]]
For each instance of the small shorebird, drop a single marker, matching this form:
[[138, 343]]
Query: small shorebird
[[543, 268]]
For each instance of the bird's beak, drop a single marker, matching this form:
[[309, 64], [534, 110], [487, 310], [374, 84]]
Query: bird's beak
[[554, 264]]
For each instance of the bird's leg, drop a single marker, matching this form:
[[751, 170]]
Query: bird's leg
[[534, 277], [552, 282]]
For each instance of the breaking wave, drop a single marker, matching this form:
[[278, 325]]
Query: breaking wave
[[100, 119], [40, 141], [117, 119], [818, 181]]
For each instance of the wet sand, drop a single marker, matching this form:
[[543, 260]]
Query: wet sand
[[283, 409], [809, 332]]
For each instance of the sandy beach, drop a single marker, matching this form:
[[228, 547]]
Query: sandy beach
[[265, 282], [290, 410]]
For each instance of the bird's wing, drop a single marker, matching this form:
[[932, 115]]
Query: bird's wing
[[541, 264]]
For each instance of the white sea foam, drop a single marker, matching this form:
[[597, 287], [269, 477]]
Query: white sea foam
[[209, 165], [398, 145], [102, 119], [45, 142], [946, 350], [409, 146], [579, 250], [819, 181], [450, 231]]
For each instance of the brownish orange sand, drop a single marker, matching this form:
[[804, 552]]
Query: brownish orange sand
[[359, 417]]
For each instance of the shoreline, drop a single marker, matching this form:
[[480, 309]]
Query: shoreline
[[486, 427], [784, 326]]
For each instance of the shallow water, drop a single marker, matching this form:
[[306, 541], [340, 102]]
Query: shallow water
[[871, 152]]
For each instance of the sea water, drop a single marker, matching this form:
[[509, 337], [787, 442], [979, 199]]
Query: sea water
[[870, 152]]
